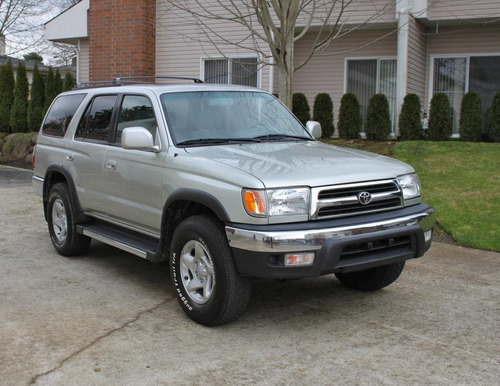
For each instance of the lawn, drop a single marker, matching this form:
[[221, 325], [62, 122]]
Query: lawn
[[461, 180]]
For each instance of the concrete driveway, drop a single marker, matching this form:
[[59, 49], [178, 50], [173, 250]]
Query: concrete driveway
[[110, 318]]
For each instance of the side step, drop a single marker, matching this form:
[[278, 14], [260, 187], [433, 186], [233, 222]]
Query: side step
[[126, 240]]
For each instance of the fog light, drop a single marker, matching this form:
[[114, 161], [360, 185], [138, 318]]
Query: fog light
[[299, 259], [428, 235]]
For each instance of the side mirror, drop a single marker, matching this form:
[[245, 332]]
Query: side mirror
[[314, 128], [138, 138]]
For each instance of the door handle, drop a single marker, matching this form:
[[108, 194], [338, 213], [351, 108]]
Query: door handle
[[111, 164]]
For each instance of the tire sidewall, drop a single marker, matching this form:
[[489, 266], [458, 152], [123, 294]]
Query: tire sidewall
[[192, 229]]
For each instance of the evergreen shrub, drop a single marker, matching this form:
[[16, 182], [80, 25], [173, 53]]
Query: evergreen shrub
[[378, 118], [350, 120], [69, 82], [36, 102], [494, 119], [19, 110], [440, 125], [7, 85], [300, 107], [471, 118], [410, 123], [323, 113]]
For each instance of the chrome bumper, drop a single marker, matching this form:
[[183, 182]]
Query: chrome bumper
[[314, 239]]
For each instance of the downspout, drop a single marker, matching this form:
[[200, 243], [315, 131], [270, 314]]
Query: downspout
[[271, 70], [402, 61]]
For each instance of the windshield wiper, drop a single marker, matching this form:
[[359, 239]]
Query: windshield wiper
[[281, 137], [216, 141]]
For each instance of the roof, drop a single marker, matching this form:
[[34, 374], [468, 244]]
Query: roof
[[30, 65]]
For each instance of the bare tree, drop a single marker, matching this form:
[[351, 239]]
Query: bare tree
[[273, 27], [21, 23], [18, 17]]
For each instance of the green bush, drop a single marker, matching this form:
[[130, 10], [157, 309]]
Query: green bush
[[50, 88], [69, 82], [37, 101], [350, 121], [300, 107], [494, 119], [440, 125], [19, 110], [471, 119], [323, 113], [7, 85], [378, 118], [410, 124]]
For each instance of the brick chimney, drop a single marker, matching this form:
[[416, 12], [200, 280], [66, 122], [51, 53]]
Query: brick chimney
[[122, 38], [2, 45]]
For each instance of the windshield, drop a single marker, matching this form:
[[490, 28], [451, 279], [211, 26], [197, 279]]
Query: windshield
[[214, 117]]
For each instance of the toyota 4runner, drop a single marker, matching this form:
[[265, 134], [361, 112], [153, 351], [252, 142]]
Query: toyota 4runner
[[227, 185]]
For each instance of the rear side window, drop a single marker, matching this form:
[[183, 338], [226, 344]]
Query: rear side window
[[96, 122], [60, 114]]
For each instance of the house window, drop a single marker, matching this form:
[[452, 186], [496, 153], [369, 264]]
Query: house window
[[366, 77], [456, 76], [242, 71]]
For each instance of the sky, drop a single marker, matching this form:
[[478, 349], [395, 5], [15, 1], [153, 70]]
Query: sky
[[26, 35]]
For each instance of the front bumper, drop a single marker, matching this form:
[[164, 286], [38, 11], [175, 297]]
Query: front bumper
[[341, 245]]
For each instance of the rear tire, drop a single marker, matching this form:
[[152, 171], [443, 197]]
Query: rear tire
[[372, 279], [61, 221], [208, 287]]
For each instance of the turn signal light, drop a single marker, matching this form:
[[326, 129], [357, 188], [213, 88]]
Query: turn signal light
[[299, 259]]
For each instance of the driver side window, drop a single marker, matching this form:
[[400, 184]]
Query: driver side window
[[136, 110]]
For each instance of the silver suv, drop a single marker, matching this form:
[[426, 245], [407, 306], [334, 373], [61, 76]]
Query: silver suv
[[227, 185]]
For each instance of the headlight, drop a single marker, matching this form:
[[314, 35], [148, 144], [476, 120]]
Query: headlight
[[276, 202], [410, 185]]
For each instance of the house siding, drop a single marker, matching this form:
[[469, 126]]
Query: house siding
[[417, 60], [459, 41], [463, 9], [83, 61], [325, 73], [181, 46]]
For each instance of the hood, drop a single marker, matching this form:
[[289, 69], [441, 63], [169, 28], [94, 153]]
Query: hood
[[313, 163]]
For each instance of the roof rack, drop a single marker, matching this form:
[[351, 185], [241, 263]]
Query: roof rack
[[129, 80]]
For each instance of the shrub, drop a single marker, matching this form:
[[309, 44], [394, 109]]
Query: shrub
[[58, 82], [410, 124], [494, 119], [378, 118], [323, 113], [50, 89], [300, 107], [440, 126], [471, 120], [7, 84], [350, 121], [37, 101], [19, 110]]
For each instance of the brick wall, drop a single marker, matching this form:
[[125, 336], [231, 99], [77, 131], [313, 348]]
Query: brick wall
[[121, 38]]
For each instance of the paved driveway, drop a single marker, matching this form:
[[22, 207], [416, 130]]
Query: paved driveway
[[111, 318]]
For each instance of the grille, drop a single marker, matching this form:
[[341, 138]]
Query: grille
[[392, 245], [342, 200]]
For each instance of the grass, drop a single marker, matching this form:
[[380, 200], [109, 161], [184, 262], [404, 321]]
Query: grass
[[461, 180]]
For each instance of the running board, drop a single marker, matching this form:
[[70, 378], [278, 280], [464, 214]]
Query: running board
[[128, 241]]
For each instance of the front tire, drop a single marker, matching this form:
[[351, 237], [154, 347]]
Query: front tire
[[372, 279], [208, 286], [61, 221]]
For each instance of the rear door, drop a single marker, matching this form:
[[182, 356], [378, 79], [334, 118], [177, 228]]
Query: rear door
[[85, 159]]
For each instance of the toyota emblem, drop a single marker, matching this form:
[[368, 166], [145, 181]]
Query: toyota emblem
[[364, 198]]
